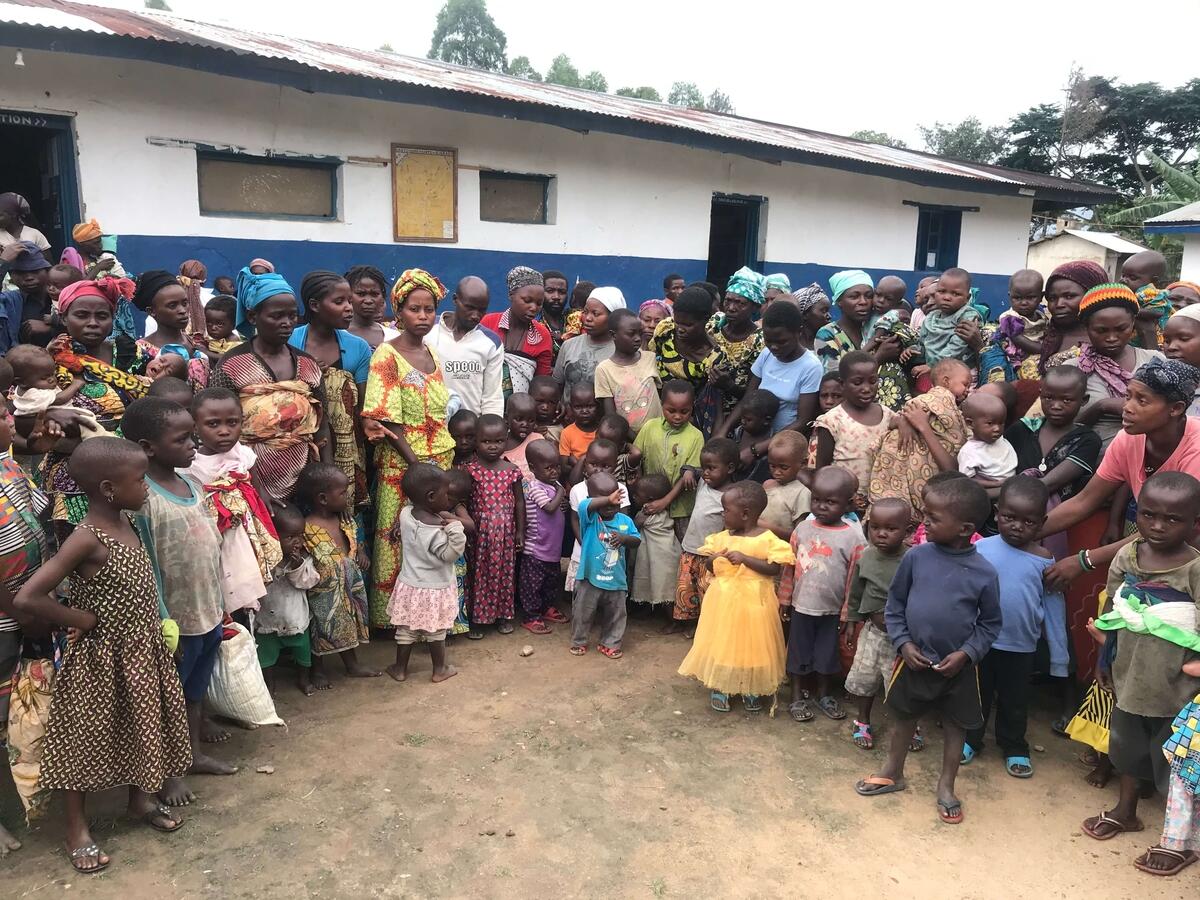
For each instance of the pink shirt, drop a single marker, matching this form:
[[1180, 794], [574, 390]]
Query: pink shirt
[[1124, 460]]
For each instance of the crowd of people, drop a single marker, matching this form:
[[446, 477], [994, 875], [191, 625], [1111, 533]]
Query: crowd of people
[[892, 499]]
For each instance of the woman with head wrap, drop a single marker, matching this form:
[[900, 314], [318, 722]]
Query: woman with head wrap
[[345, 361], [578, 357], [280, 388], [1065, 334], [528, 347], [737, 335], [406, 395], [650, 313], [1108, 313], [853, 293], [1183, 293], [14, 227], [814, 306], [163, 298], [85, 354], [684, 349], [774, 287], [1181, 340], [91, 257]]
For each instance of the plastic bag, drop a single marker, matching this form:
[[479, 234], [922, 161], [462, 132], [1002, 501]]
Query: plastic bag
[[237, 690]]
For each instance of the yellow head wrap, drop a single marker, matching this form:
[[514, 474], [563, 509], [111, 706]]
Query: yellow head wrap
[[412, 279]]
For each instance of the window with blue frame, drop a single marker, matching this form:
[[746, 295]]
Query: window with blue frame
[[938, 233], [234, 184]]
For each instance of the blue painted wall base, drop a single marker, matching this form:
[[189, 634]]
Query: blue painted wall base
[[638, 277]]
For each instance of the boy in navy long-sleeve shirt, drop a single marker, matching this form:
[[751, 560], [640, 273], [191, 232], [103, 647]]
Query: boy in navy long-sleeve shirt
[[942, 615]]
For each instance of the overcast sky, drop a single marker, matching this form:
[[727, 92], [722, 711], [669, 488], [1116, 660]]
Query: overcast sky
[[834, 67]]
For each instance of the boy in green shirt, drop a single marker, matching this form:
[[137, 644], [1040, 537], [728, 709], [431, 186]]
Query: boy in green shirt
[[670, 446]]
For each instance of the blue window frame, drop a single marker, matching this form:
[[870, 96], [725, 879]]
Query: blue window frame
[[938, 234]]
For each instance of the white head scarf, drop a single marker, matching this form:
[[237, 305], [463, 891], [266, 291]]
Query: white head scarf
[[611, 297]]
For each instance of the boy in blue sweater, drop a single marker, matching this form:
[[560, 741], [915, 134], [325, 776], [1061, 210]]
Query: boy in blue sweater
[[942, 615], [1005, 673], [600, 584]]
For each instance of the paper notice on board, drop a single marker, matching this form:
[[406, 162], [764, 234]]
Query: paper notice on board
[[448, 229]]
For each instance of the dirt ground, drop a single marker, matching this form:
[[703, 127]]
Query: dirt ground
[[566, 777]]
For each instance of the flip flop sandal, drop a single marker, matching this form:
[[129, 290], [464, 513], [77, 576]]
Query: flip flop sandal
[[610, 652], [801, 711], [1014, 764], [1182, 861], [968, 754], [861, 734], [555, 616], [1115, 827], [536, 626], [91, 851], [161, 811], [474, 635], [917, 744], [873, 785], [947, 814], [504, 626], [1059, 726], [719, 701], [831, 708], [578, 649], [752, 702]]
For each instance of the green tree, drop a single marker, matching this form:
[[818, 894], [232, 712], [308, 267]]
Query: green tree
[[719, 101], [386, 48], [160, 5], [685, 93], [467, 35], [967, 139], [1178, 186], [641, 93], [521, 67], [595, 81], [878, 137], [562, 71]]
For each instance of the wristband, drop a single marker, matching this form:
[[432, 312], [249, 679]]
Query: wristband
[[1085, 562]]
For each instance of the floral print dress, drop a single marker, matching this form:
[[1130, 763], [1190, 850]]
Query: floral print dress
[[492, 558], [339, 600]]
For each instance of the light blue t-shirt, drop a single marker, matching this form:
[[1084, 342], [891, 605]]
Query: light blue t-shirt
[[600, 564], [355, 352], [1023, 597], [787, 381]]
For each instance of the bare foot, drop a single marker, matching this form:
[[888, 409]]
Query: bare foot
[[358, 670], [206, 765], [397, 673], [175, 792], [1101, 775], [8, 843], [211, 732], [673, 627], [304, 683], [320, 681], [448, 672]]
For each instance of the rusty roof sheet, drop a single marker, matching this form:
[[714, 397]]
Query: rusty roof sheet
[[437, 75]]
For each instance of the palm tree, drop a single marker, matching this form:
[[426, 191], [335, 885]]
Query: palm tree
[[1180, 186]]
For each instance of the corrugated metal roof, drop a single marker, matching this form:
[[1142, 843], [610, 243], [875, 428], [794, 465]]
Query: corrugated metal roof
[[349, 61], [1185, 215], [1105, 239]]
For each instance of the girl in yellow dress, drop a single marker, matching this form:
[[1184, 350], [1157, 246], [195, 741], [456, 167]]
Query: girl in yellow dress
[[738, 648]]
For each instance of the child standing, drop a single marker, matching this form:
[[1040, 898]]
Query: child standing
[[185, 549], [1022, 326], [816, 589], [941, 628], [521, 416], [224, 466], [627, 382], [547, 397], [829, 393], [600, 586], [738, 647], [460, 485], [671, 446], [282, 623], [545, 522], [950, 309], [601, 456], [1180, 842], [577, 360], [578, 436], [462, 428], [849, 435], [498, 509], [987, 458], [424, 601], [339, 600], [118, 715], [888, 525], [655, 570], [718, 461], [614, 428], [1154, 595], [753, 434], [1005, 673], [788, 498]]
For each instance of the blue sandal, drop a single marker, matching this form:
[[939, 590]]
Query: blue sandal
[[719, 701], [752, 702], [968, 754], [1019, 766], [862, 735]]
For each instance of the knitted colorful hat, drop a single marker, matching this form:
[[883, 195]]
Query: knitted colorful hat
[[1108, 296]]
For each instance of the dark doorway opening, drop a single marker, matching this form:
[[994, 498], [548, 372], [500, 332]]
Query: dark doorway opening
[[37, 161], [732, 236]]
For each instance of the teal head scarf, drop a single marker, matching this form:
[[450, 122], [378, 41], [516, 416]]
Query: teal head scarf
[[840, 282], [254, 290], [745, 282], [779, 281]]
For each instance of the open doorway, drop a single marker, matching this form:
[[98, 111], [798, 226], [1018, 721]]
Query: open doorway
[[37, 161], [732, 235]]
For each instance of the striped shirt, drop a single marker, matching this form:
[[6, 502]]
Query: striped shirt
[[23, 545]]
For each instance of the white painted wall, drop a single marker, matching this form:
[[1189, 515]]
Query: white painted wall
[[615, 195], [1046, 256], [1189, 269]]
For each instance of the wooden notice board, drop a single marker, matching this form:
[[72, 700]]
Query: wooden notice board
[[425, 193]]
